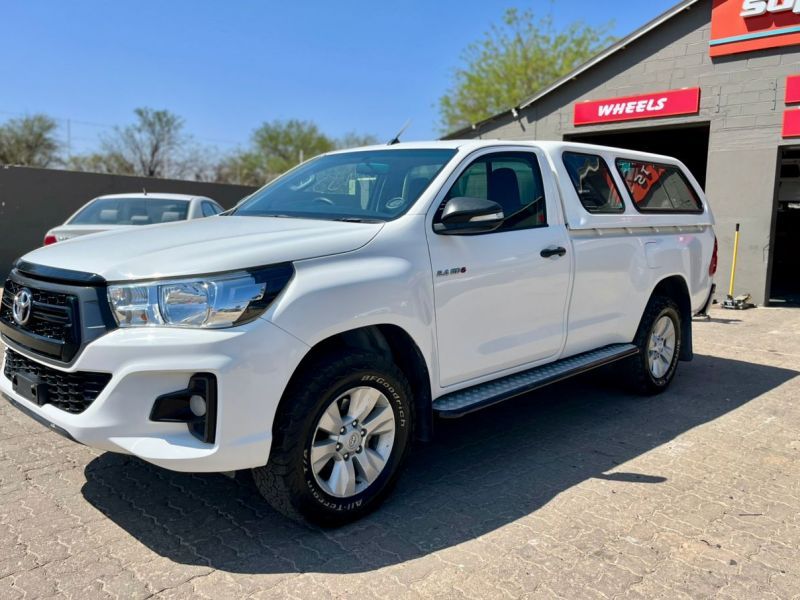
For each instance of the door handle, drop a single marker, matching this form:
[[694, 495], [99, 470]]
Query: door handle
[[550, 252]]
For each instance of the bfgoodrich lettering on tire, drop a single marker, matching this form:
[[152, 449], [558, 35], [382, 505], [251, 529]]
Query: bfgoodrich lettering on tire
[[659, 341], [340, 437]]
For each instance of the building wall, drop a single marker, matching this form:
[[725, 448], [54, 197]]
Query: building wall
[[34, 200], [743, 99]]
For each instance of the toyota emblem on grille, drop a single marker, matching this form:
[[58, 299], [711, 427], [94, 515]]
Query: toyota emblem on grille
[[21, 309]]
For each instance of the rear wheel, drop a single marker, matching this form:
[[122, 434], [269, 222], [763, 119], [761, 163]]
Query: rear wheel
[[659, 341], [340, 440]]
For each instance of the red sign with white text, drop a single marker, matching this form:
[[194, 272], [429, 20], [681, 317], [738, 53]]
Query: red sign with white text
[[793, 89], [791, 123], [750, 25], [646, 106]]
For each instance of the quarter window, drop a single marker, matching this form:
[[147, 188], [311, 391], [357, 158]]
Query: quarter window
[[658, 188], [513, 180], [593, 183]]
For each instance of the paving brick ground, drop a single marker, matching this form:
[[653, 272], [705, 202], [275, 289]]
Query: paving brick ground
[[579, 491]]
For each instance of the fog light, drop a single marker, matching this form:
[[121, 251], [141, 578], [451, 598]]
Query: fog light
[[197, 404]]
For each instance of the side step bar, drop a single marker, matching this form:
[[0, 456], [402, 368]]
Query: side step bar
[[462, 402]]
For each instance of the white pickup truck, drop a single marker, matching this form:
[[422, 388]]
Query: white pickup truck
[[314, 331]]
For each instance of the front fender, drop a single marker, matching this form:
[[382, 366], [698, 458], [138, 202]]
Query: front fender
[[331, 295]]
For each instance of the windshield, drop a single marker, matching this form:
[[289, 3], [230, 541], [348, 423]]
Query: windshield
[[131, 211], [366, 185]]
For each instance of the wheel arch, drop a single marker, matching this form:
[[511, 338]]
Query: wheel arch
[[676, 288], [394, 343]]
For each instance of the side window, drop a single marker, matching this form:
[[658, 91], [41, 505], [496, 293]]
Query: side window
[[473, 182], [513, 180], [658, 188], [593, 183], [209, 210]]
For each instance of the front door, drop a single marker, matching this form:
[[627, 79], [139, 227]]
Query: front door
[[499, 303]]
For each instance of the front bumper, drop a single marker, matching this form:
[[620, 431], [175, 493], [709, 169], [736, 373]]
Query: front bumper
[[252, 364]]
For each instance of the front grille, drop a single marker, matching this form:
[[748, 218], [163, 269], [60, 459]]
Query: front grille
[[51, 313], [69, 310], [71, 392]]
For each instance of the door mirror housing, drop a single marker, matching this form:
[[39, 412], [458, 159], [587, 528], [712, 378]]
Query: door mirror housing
[[467, 216]]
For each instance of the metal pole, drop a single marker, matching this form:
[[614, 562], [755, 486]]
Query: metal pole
[[733, 265]]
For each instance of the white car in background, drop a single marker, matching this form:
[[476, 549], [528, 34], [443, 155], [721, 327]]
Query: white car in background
[[114, 211]]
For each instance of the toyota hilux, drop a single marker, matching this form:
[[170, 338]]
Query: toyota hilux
[[312, 333]]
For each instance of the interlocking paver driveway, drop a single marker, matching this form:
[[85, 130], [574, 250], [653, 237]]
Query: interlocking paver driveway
[[578, 491]]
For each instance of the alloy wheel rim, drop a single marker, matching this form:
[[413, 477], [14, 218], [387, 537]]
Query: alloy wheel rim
[[661, 347], [352, 442]]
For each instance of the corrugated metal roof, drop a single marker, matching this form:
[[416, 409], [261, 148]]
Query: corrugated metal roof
[[610, 51]]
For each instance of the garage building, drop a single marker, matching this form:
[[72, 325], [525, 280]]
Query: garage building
[[715, 83]]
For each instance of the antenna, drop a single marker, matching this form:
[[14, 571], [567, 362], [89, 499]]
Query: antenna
[[396, 139]]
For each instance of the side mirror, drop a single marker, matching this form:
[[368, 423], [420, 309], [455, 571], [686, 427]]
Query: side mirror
[[465, 216]]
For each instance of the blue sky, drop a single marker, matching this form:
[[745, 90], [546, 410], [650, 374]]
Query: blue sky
[[228, 66]]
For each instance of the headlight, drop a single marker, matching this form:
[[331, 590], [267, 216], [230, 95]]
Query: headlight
[[215, 301]]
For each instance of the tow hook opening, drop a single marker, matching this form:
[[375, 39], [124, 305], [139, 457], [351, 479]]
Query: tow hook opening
[[196, 405]]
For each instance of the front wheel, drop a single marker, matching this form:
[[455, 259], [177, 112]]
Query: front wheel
[[339, 441], [659, 342]]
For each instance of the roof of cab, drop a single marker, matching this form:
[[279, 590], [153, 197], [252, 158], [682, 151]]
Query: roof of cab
[[551, 147]]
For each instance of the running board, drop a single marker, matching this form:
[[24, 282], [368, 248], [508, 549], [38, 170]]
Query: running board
[[462, 402]]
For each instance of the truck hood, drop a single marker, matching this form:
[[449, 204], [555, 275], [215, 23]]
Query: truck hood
[[211, 245]]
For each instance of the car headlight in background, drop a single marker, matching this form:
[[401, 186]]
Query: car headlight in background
[[212, 302]]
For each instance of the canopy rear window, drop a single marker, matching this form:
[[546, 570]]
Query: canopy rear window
[[658, 188]]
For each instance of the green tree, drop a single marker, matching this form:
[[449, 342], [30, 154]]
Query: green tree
[[155, 145], [513, 61], [99, 162], [150, 147], [277, 146], [29, 141], [354, 140]]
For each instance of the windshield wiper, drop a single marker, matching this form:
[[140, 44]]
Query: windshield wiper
[[357, 220], [233, 211], [317, 217]]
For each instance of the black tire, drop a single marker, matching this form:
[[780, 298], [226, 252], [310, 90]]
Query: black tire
[[287, 482], [637, 368]]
